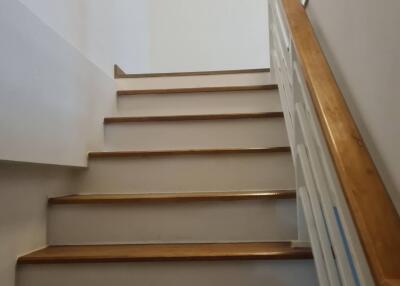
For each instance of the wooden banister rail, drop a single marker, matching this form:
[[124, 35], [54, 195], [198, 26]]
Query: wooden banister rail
[[373, 212]]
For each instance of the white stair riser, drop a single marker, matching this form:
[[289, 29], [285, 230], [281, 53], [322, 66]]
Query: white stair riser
[[194, 81], [262, 132], [210, 273], [169, 222], [174, 173], [199, 103]]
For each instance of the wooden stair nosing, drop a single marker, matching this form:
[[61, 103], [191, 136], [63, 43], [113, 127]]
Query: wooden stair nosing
[[121, 154], [171, 197], [197, 89], [130, 119], [120, 74], [165, 252]]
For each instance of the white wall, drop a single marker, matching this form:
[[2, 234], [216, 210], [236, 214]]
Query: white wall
[[162, 36], [55, 89], [23, 202], [106, 32], [362, 43], [52, 99], [192, 35]]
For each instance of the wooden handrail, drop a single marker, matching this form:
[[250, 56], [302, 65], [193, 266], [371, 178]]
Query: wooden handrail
[[373, 212]]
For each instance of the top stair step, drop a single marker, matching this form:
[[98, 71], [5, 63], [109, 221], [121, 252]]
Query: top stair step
[[197, 89], [248, 77], [165, 252], [119, 73]]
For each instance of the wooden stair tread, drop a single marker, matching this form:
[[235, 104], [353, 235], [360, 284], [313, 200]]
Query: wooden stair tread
[[165, 252], [111, 154], [119, 73], [198, 89], [173, 197], [124, 119]]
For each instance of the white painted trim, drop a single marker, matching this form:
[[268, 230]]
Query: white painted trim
[[335, 229], [319, 217], [326, 203], [316, 246], [337, 199], [300, 243]]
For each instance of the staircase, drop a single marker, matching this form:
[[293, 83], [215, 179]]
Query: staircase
[[195, 187]]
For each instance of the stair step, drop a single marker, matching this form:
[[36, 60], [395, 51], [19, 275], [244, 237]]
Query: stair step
[[195, 132], [212, 217], [251, 101], [197, 89], [114, 154], [171, 197], [187, 171], [166, 252], [124, 119], [119, 73], [248, 77]]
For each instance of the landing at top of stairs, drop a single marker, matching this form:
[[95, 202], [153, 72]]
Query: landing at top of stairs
[[119, 73]]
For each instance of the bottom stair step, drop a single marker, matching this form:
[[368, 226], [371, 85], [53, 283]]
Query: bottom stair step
[[166, 252], [234, 264]]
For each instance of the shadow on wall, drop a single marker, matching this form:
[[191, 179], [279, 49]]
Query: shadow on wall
[[24, 189]]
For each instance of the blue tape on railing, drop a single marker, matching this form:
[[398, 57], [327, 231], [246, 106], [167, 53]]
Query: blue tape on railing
[[346, 247]]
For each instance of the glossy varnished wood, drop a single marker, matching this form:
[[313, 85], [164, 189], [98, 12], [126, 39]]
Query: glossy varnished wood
[[165, 252], [198, 89], [119, 154], [173, 197], [374, 215], [119, 73], [109, 120]]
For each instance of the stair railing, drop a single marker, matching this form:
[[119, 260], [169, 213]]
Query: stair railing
[[304, 3], [344, 209]]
